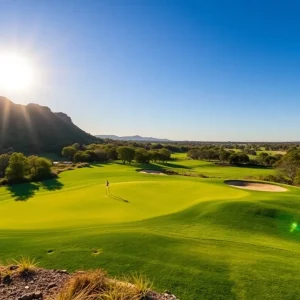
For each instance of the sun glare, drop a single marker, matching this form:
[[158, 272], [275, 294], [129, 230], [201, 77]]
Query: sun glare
[[16, 73]]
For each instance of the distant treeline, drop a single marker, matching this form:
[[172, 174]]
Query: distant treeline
[[105, 152], [232, 157]]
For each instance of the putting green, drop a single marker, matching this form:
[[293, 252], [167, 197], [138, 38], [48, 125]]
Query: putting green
[[199, 238]]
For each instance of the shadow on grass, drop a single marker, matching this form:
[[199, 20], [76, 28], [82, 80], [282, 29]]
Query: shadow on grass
[[172, 165], [24, 191], [51, 185], [117, 198]]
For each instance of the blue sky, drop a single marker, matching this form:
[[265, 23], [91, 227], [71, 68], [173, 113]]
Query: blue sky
[[185, 70]]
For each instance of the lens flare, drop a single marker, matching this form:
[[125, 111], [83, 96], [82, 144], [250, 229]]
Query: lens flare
[[16, 72], [293, 227]]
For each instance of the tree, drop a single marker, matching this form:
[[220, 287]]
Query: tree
[[126, 154], [68, 152], [40, 167], [17, 167], [111, 152], [76, 146], [233, 159], [4, 161], [101, 154], [289, 165], [243, 158], [193, 153], [153, 155], [81, 156], [142, 155], [165, 154], [263, 158], [224, 156]]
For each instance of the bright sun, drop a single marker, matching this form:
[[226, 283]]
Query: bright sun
[[16, 73]]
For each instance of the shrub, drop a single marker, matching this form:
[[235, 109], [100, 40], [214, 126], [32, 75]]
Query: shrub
[[17, 168], [26, 265], [3, 181], [82, 165]]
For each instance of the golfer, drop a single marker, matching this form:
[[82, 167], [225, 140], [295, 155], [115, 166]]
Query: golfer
[[107, 187]]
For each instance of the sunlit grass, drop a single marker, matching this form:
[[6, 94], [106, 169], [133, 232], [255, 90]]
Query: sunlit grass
[[189, 235]]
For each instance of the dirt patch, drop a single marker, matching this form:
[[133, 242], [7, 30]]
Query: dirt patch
[[152, 172], [41, 284], [255, 186], [47, 284]]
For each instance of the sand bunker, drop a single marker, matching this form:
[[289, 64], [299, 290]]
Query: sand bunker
[[255, 186], [152, 172]]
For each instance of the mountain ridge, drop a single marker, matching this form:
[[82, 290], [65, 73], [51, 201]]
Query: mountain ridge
[[34, 128], [131, 138]]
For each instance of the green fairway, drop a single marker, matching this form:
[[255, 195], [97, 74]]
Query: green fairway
[[195, 236]]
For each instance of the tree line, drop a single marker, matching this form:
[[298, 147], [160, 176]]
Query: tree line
[[106, 152], [232, 157]]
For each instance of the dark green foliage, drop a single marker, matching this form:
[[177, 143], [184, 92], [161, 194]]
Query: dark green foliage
[[126, 154], [34, 129], [142, 155], [18, 167], [289, 165], [68, 152], [39, 167], [101, 154], [164, 154], [81, 156], [239, 158], [4, 161], [224, 156]]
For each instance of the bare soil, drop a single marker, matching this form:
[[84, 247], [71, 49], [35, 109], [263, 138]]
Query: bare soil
[[44, 284], [255, 186], [152, 172]]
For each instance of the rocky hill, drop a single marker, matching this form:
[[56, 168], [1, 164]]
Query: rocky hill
[[35, 128]]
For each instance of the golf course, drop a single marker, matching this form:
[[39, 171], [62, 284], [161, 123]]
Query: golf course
[[200, 238]]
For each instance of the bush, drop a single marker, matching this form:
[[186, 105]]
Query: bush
[[3, 181], [82, 165], [17, 168]]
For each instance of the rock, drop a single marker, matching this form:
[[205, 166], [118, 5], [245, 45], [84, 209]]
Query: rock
[[26, 287], [7, 279], [62, 271], [31, 296], [51, 285], [13, 267]]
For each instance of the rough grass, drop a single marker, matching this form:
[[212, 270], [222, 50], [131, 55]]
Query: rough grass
[[26, 265], [95, 285], [196, 237]]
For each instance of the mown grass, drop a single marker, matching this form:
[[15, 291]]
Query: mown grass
[[196, 237]]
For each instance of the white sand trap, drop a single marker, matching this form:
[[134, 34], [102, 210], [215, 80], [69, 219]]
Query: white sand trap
[[152, 172], [255, 186]]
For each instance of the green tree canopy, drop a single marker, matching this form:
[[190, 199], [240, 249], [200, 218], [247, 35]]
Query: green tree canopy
[[68, 152], [289, 165], [126, 154], [81, 156], [4, 161], [40, 167], [142, 155], [17, 168]]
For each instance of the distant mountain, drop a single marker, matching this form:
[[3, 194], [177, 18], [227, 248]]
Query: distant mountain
[[136, 138], [35, 128]]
